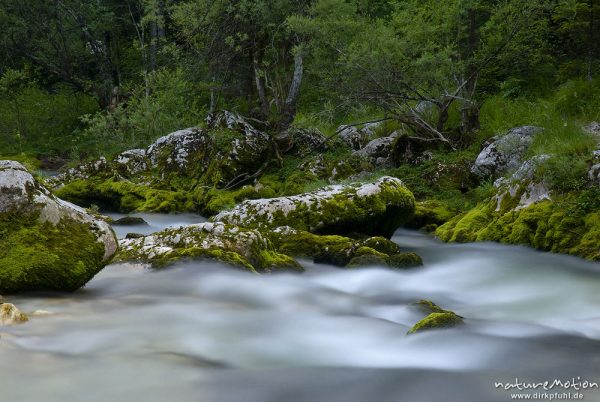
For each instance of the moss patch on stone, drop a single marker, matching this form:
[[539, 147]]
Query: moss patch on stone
[[245, 248], [429, 215], [342, 251], [42, 256], [554, 226], [377, 208], [124, 196], [437, 321]]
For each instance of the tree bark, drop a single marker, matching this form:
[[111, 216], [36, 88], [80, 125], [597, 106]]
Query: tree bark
[[291, 102], [259, 81]]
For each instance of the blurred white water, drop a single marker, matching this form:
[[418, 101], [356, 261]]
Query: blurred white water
[[201, 331]]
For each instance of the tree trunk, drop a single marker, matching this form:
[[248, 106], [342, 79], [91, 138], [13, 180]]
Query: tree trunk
[[259, 81], [291, 103]]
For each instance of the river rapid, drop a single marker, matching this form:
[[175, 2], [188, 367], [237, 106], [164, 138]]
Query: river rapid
[[203, 331]]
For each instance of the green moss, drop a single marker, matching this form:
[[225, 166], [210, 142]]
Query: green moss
[[429, 215], [211, 201], [556, 226], [382, 245], [38, 256], [304, 244], [367, 260], [437, 321], [404, 260], [378, 213], [428, 307], [30, 162], [236, 246], [124, 196], [343, 251], [273, 261]]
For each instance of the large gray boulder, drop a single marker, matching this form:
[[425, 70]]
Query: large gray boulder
[[246, 248], [47, 243], [306, 141], [506, 153], [227, 147], [355, 137], [378, 151], [377, 208]]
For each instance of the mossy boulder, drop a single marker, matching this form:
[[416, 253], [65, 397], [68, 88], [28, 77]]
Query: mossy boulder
[[428, 307], [246, 248], [525, 213], [123, 195], [306, 141], [10, 314], [47, 243], [429, 215], [378, 151], [357, 137], [179, 168], [377, 208], [446, 319], [342, 251]]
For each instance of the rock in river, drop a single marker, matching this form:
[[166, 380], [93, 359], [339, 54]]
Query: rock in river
[[246, 248], [10, 314], [46, 243], [377, 208]]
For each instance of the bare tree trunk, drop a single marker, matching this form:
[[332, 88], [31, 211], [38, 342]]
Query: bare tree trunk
[[291, 103], [259, 81]]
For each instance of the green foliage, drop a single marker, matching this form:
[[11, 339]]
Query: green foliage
[[170, 104], [579, 98], [33, 120], [563, 173]]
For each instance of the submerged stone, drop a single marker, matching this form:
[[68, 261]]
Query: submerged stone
[[130, 221], [46, 243], [441, 320], [10, 315]]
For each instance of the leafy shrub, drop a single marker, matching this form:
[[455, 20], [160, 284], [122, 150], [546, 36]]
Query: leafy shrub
[[170, 103], [34, 120]]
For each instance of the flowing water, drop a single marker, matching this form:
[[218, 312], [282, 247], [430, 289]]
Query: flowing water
[[202, 331]]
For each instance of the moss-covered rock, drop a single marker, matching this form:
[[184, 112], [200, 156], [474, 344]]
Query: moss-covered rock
[[569, 224], [377, 208], [241, 247], [47, 243], [429, 215], [306, 141], [124, 195], [10, 314], [404, 260], [437, 321], [342, 251], [176, 172], [428, 307]]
